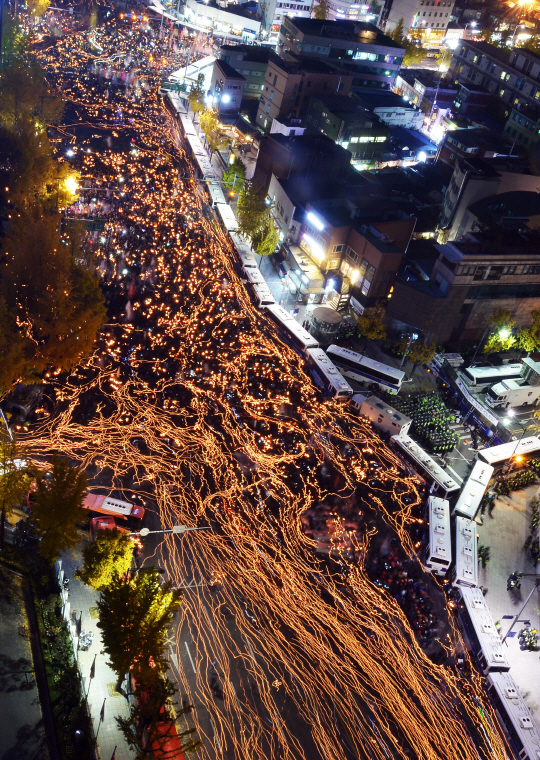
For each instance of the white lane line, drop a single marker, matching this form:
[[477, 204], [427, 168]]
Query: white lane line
[[190, 658], [251, 651], [208, 616], [215, 734], [277, 723]]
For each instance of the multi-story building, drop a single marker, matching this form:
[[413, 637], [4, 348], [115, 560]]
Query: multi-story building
[[360, 259], [283, 156], [345, 121], [360, 49], [226, 88], [474, 179], [427, 15], [251, 61], [468, 143], [391, 109], [468, 281], [523, 125], [273, 12], [513, 76], [351, 10], [289, 84]]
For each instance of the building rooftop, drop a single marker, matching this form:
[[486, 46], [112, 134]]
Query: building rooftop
[[486, 49], [343, 104], [352, 31], [378, 99], [519, 204], [306, 66], [250, 53], [228, 70]]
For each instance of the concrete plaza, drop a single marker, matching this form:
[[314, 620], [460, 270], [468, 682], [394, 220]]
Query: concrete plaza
[[505, 534]]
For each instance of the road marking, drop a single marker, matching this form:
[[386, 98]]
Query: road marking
[[251, 650], [208, 616], [190, 658], [215, 734], [277, 723], [174, 658]]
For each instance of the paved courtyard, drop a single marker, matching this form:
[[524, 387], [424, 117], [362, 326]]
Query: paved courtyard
[[505, 533]]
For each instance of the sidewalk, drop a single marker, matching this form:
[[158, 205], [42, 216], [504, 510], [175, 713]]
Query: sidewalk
[[100, 689], [505, 534]]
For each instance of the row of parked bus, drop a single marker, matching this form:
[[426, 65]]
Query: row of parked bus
[[461, 557], [328, 369]]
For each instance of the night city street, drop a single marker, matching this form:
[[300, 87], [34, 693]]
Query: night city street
[[193, 406]]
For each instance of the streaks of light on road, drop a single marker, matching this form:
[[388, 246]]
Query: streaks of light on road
[[193, 401]]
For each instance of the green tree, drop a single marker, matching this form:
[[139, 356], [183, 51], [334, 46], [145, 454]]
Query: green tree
[[51, 304], [108, 557], [501, 337], [14, 477], [57, 508], [321, 10], [421, 352], [134, 617], [38, 8], [214, 136], [255, 221], [266, 240], [234, 176], [528, 338], [371, 325], [151, 722], [196, 96], [14, 41], [398, 34], [25, 98]]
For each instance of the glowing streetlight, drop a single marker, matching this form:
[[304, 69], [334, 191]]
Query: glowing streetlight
[[504, 333], [71, 185]]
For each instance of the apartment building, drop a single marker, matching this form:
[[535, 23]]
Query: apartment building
[[474, 179], [251, 62], [289, 85], [345, 121], [523, 125], [360, 49], [514, 76], [273, 12], [347, 248], [469, 280], [428, 15]]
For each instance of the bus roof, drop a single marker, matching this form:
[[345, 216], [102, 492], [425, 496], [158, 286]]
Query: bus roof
[[505, 370], [469, 499], [397, 374], [333, 375], [440, 542], [508, 450], [484, 628], [427, 463], [110, 506], [517, 713], [481, 473], [466, 572]]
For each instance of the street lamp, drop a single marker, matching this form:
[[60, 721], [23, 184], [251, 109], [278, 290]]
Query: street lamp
[[516, 618], [179, 529]]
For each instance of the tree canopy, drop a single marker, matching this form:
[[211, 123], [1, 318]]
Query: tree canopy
[[214, 136], [151, 721], [134, 617], [255, 221], [15, 478], [371, 324], [50, 307], [421, 352], [528, 338], [321, 10], [57, 508], [235, 175], [196, 95], [108, 557], [414, 52], [501, 337]]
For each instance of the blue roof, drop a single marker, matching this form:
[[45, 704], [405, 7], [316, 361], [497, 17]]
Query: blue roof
[[413, 139]]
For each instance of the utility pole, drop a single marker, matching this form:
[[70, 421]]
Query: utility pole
[[514, 621]]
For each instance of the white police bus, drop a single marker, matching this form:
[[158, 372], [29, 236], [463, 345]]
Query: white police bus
[[364, 370], [483, 377], [515, 717], [438, 555], [326, 376], [480, 630], [465, 571], [292, 332]]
